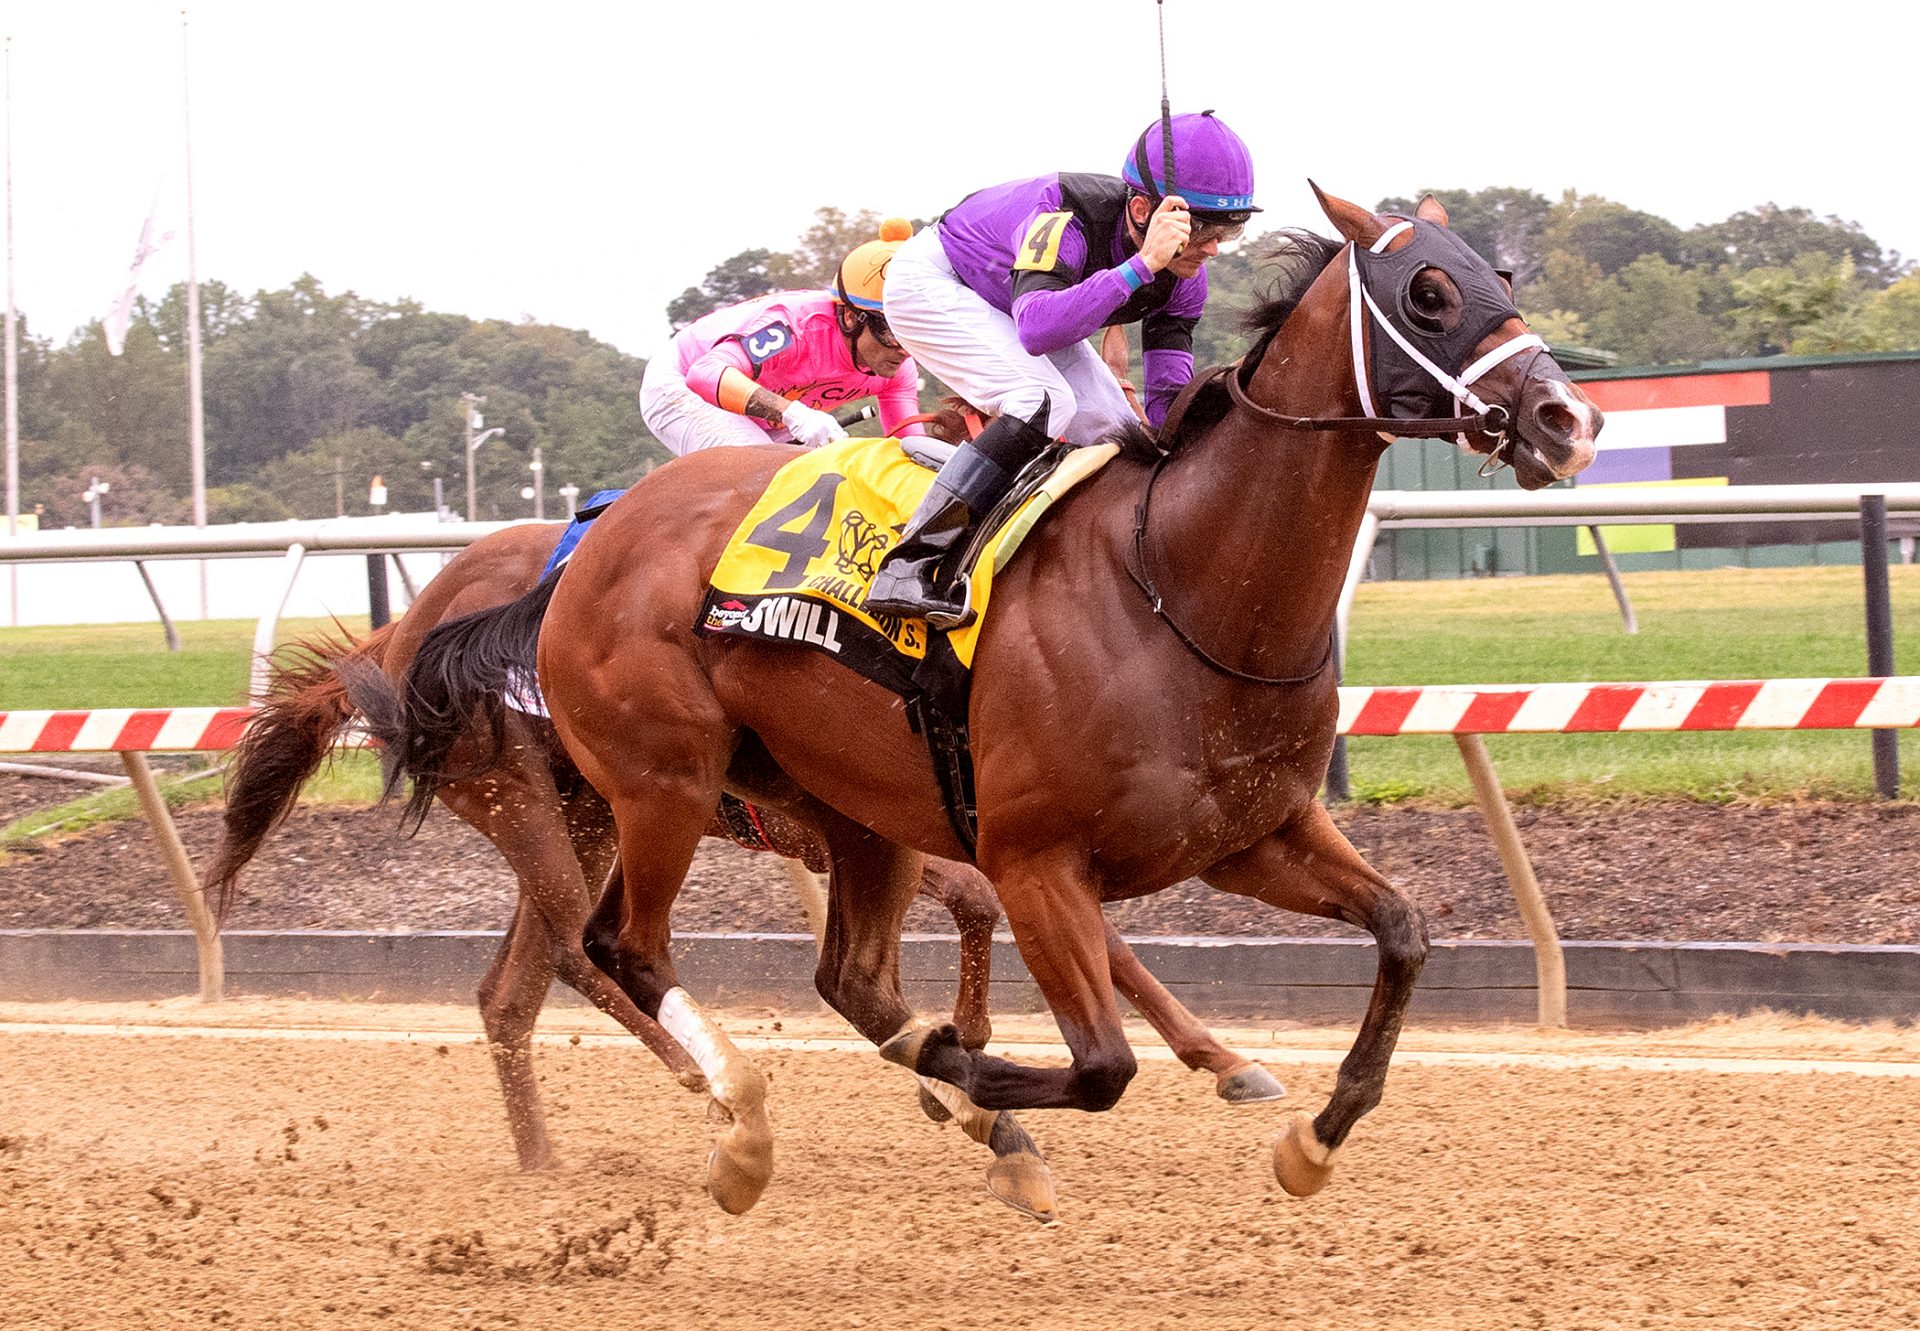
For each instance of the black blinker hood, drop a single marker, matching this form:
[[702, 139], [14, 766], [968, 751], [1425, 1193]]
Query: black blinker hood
[[1401, 388]]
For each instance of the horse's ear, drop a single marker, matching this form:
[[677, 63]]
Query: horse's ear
[[1431, 210], [1350, 219]]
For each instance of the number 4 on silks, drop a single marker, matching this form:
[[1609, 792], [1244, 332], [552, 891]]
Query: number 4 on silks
[[1041, 249], [806, 545]]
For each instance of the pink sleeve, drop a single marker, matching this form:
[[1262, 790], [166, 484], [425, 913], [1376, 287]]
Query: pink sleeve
[[703, 376], [900, 399]]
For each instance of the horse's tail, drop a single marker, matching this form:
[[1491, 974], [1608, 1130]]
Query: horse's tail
[[305, 708], [455, 689]]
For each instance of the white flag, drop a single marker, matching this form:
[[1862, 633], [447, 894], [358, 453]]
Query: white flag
[[120, 314]]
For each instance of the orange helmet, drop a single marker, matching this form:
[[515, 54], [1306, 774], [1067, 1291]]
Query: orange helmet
[[863, 273]]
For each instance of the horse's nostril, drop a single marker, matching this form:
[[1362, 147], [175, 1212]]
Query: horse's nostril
[[1556, 420]]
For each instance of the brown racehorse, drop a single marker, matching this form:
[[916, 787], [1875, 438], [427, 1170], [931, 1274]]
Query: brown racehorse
[[1153, 695], [307, 708]]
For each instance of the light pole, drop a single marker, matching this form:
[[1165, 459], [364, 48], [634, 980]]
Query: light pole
[[95, 488], [472, 402], [439, 499], [539, 470]]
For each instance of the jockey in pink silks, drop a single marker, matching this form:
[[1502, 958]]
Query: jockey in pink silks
[[775, 368]]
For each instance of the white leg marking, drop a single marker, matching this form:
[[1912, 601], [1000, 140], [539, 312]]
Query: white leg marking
[[729, 1074]]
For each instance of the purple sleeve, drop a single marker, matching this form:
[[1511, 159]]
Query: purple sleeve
[[1167, 372], [1050, 311], [1166, 339]]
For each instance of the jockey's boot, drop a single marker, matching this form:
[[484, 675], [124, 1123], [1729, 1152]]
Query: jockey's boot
[[974, 479]]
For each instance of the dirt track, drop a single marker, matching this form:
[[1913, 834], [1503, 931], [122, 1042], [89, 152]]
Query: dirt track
[[162, 1180]]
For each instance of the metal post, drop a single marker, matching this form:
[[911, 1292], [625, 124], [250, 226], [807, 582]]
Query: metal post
[[406, 578], [467, 404], [1549, 961], [539, 469], [1613, 580], [1339, 780], [1363, 542], [186, 884], [1873, 561], [173, 634], [263, 632], [377, 610], [196, 409]]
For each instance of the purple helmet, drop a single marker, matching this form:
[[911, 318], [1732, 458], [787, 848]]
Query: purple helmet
[[1212, 169]]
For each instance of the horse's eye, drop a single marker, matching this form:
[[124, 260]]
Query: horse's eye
[[1429, 301]]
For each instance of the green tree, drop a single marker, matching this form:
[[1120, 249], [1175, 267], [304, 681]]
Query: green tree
[[129, 409], [742, 277], [1774, 237], [135, 497], [222, 309], [1893, 316], [1815, 305], [1650, 314], [305, 480], [1567, 283], [1608, 235]]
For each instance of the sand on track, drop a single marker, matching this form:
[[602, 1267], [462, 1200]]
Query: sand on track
[[171, 1179]]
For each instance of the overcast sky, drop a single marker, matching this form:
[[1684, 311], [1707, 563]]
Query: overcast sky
[[583, 163]]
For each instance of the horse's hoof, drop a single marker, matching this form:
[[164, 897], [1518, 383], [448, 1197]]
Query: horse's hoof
[[1023, 1181], [1301, 1161], [1249, 1084], [932, 1108], [740, 1165], [693, 1079]]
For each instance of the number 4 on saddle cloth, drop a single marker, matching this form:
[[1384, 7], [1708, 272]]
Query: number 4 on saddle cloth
[[799, 566]]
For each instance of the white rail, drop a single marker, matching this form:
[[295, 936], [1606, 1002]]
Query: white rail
[[241, 538]]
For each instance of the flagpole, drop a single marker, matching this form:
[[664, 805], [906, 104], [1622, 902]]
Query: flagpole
[[13, 371], [196, 413]]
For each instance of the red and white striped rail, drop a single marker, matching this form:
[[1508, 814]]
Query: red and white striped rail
[[113, 729], [1450, 709], [1506, 709]]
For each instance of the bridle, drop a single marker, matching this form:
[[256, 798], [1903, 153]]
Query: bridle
[[1491, 420]]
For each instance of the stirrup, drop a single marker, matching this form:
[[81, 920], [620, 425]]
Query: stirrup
[[963, 597]]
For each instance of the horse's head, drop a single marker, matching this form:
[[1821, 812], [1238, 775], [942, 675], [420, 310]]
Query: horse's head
[[1442, 337]]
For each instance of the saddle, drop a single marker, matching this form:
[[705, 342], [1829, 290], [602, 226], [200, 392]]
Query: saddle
[[798, 567]]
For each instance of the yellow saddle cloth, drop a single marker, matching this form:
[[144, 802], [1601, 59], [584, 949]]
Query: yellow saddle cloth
[[800, 563]]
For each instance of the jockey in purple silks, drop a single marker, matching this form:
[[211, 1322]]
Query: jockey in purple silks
[[999, 297]]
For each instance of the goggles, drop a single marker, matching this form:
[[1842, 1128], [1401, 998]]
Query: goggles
[[1222, 228], [882, 333]]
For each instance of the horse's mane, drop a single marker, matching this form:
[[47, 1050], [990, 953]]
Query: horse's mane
[[1295, 258]]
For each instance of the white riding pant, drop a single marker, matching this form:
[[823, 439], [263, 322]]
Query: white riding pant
[[686, 422], [976, 351]]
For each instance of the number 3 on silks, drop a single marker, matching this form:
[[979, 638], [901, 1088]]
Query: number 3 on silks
[[766, 342], [806, 545], [1041, 249]]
